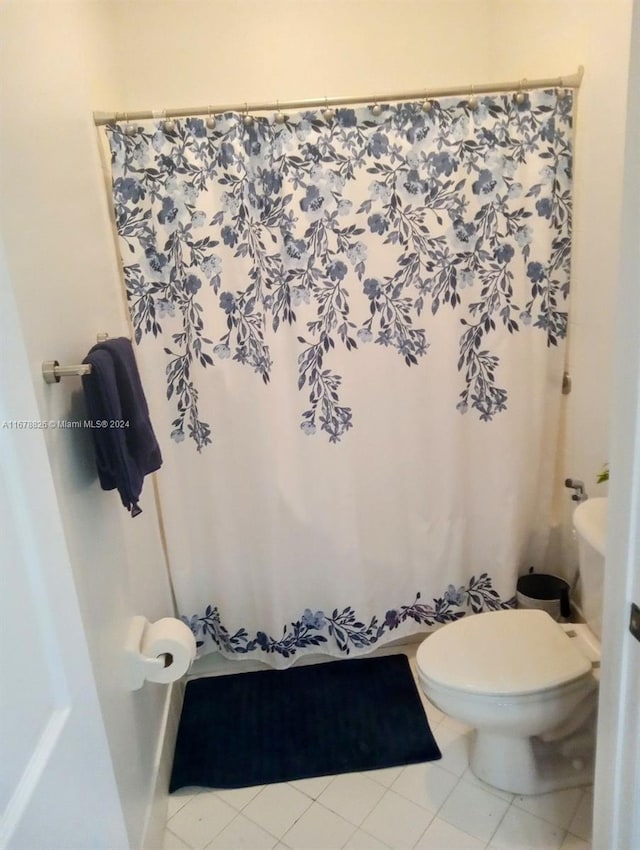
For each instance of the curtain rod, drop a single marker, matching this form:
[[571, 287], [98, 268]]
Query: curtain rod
[[570, 82]]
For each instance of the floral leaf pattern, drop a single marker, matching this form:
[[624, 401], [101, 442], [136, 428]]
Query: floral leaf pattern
[[342, 630], [358, 230]]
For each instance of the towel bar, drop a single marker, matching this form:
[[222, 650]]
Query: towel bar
[[52, 371]]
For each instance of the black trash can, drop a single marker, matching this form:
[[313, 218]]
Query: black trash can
[[546, 592]]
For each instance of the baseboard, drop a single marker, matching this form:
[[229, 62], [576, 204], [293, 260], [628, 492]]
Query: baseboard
[[153, 835], [576, 614]]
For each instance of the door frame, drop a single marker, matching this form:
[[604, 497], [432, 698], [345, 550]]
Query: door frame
[[617, 777]]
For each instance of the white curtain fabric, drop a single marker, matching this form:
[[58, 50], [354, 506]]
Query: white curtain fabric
[[350, 330]]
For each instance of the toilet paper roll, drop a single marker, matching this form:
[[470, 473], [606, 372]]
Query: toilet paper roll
[[173, 641]]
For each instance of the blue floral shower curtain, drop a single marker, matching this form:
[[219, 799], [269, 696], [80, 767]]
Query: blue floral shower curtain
[[351, 330]]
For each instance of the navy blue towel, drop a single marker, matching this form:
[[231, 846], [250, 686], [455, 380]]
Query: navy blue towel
[[125, 445]]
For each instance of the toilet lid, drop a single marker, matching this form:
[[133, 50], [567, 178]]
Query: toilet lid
[[502, 653]]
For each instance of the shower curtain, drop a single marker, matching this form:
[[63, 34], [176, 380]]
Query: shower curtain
[[350, 328]]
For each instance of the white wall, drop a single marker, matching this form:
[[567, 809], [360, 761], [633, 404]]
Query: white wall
[[55, 65], [207, 51], [197, 52], [537, 35]]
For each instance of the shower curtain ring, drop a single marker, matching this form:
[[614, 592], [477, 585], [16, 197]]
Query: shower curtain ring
[[211, 119], [168, 124], [561, 90], [128, 128], [247, 120], [426, 103], [328, 113], [376, 109], [279, 118], [473, 100], [521, 96]]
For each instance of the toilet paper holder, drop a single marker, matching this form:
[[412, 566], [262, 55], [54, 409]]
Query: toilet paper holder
[[140, 668]]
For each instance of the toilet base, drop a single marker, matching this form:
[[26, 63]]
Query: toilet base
[[528, 765]]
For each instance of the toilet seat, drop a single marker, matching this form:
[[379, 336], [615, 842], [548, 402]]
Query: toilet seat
[[529, 652]]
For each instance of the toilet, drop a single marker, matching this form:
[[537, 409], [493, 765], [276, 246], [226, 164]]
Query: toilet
[[526, 684]]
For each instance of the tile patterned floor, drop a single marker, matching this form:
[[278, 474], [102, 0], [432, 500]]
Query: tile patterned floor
[[435, 806]]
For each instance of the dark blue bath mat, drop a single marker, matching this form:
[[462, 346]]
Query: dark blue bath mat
[[278, 725]]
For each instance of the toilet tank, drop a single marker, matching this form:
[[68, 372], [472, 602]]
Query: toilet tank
[[590, 523]]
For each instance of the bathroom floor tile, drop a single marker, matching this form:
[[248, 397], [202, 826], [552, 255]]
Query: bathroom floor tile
[[454, 746], [178, 799], [201, 819], [469, 776], [243, 834], [319, 829], [428, 785], [557, 808], [385, 776], [397, 822], [277, 807], [438, 805], [312, 787], [581, 821], [572, 842], [172, 842], [352, 796], [440, 835], [473, 810], [361, 840], [520, 830], [239, 797]]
